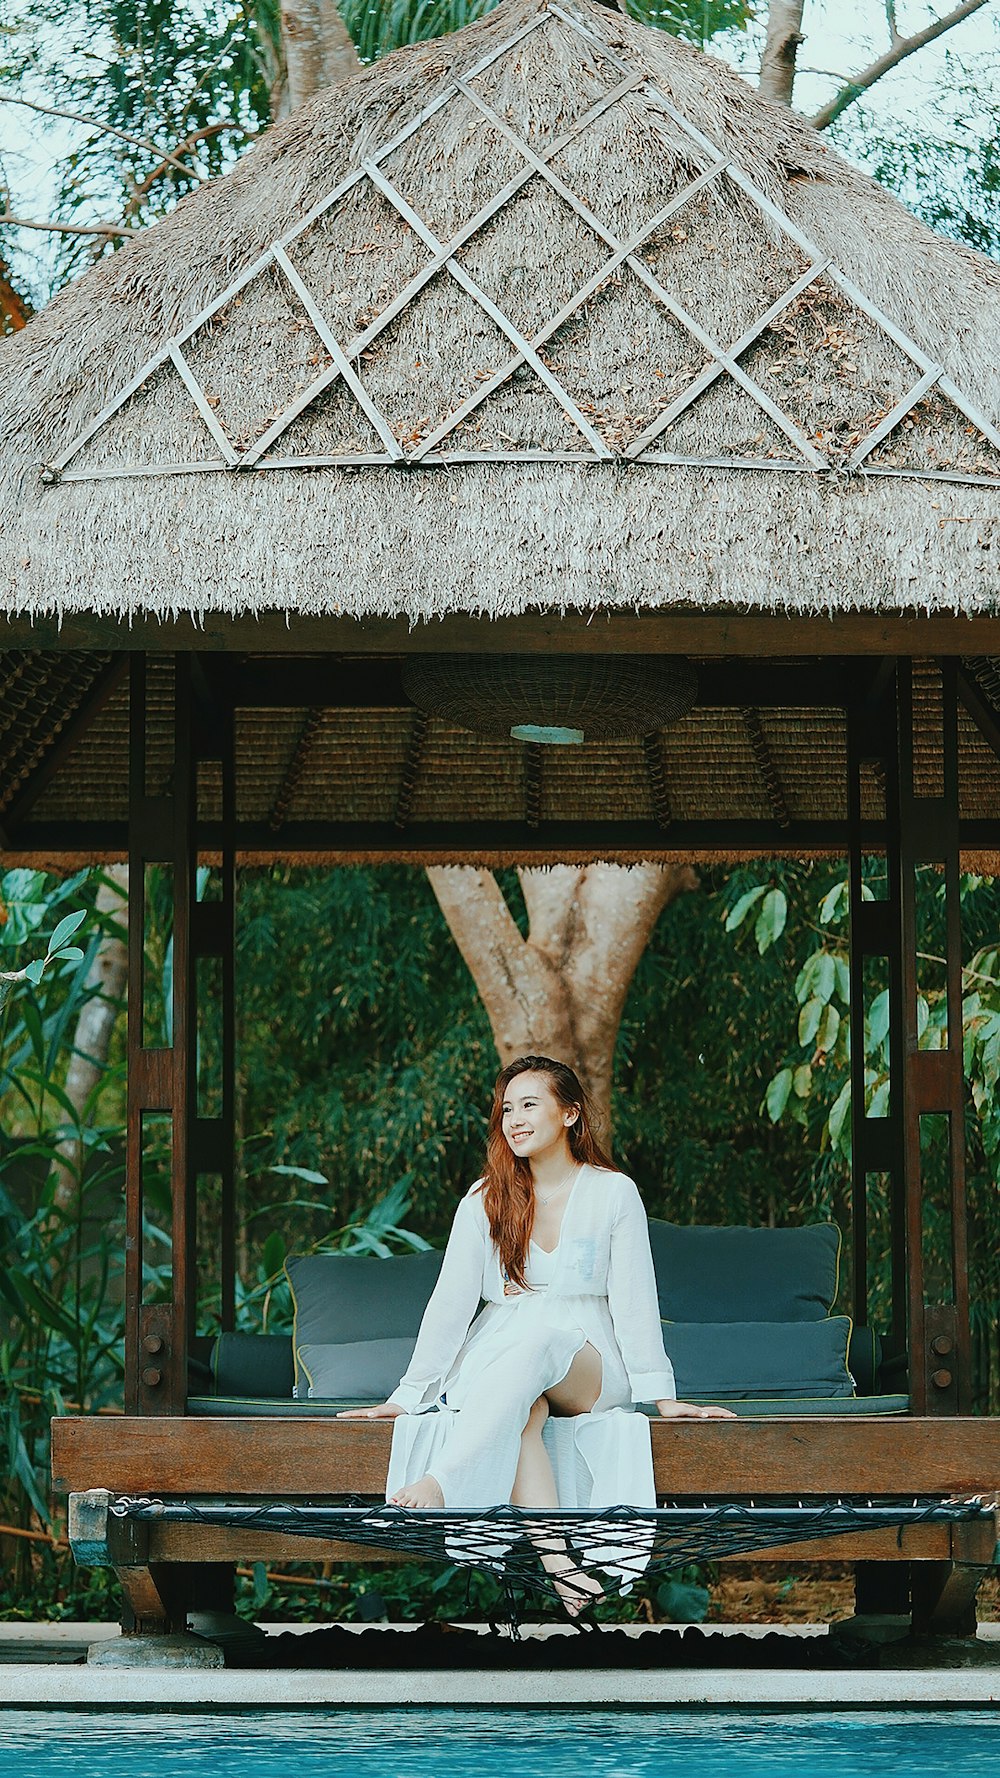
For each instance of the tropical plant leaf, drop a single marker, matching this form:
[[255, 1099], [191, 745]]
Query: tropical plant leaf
[[65, 929], [738, 913], [776, 1097]]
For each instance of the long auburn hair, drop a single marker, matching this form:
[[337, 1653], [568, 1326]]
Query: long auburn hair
[[508, 1192]]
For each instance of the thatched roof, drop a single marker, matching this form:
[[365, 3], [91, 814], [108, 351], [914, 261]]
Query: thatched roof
[[769, 387]]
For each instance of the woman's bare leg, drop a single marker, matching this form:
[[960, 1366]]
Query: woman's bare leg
[[536, 1484], [581, 1386]]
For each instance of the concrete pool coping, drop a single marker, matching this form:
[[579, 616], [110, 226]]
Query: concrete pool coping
[[38, 1671]]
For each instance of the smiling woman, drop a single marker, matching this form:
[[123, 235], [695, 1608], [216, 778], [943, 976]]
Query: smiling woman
[[532, 1400]]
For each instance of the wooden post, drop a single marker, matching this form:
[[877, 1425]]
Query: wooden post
[[156, 1334], [213, 937], [939, 1334], [876, 1142]]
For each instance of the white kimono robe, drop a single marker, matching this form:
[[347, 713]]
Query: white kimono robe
[[483, 1378]]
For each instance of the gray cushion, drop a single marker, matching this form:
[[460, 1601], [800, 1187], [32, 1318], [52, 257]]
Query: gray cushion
[[218, 1407], [361, 1370], [739, 1274], [830, 1407], [341, 1298], [743, 1359]]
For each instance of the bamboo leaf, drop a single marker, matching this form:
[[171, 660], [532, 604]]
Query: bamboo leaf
[[304, 1173], [273, 1257]]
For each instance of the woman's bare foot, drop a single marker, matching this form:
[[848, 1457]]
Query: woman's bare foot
[[426, 1494], [575, 1587]]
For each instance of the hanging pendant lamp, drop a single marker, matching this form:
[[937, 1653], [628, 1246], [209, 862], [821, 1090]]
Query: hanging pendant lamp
[[552, 700]]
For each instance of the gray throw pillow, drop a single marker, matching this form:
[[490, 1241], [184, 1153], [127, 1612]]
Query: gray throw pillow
[[340, 1298], [742, 1274], [258, 1365], [357, 1370], [742, 1359]]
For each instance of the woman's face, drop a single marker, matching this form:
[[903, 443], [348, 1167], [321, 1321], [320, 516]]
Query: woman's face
[[534, 1123]]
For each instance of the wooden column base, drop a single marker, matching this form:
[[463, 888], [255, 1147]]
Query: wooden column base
[[157, 1595]]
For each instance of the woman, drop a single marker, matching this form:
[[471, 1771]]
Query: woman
[[556, 1241]]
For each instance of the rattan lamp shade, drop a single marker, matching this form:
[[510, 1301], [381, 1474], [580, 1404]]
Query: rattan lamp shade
[[555, 699]]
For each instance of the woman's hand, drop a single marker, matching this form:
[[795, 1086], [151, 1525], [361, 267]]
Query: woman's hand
[[686, 1410], [386, 1410]]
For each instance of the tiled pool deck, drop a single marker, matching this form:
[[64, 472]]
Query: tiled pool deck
[[43, 1666]]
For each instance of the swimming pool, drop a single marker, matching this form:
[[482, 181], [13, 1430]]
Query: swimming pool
[[501, 1744]]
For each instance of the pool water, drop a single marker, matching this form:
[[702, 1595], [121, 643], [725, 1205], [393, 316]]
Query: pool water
[[501, 1744]]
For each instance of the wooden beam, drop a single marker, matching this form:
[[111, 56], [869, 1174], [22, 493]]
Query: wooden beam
[[101, 688], [383, 843], [767, 767], [298, 1457], [370, 838], [985, 717], [710, 633], [219, 1543]]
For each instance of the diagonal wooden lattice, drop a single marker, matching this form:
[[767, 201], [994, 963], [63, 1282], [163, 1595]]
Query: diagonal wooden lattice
[[720, 361]]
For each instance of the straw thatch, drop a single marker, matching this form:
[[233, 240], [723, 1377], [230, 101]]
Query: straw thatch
[[787, 495]]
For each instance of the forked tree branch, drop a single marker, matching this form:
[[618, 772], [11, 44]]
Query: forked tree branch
[[167, 156], [67, 228], [899, 49]]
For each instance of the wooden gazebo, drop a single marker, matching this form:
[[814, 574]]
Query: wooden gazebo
[[548, 340]]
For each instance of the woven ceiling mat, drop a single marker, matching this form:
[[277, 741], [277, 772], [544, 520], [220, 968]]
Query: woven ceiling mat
[[552, 699], [39, 695], [550, 260]]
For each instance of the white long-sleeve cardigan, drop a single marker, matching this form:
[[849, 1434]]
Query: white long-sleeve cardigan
[[602, 1281]]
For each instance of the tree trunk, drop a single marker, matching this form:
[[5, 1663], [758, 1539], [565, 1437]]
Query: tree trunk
[[784, 34], [106, 980], [561, 990], [316, 51]]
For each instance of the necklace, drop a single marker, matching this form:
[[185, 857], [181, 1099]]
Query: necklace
[[554, 1193]]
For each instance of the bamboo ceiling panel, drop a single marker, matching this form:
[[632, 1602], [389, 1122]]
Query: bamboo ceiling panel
[[38, 693], [306, 768]]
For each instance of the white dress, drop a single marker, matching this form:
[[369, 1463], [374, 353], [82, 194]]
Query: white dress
[[474, 1377]]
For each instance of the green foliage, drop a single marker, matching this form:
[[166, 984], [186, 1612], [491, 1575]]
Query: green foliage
[[381, 1068], [704, 1022], [377, 30], [265, 1304], [811, 1088], [60, 1254], [182, 80]]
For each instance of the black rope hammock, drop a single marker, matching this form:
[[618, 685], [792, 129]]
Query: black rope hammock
[[621, 1544]]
